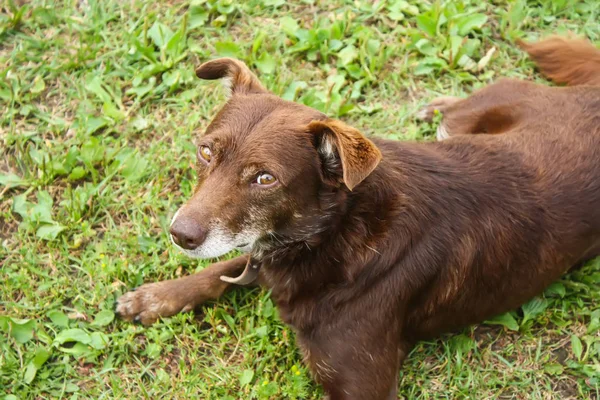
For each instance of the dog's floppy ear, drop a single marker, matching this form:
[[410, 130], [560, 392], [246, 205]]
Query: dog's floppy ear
[[238, 77], [357, 154]]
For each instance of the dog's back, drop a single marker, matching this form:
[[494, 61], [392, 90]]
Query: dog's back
[[573, 152], [530, 156]]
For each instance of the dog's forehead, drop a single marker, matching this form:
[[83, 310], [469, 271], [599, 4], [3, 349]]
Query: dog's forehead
[[263, 116], [261, 121]]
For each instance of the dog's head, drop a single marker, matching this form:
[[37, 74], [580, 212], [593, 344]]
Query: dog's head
[[263, 164]]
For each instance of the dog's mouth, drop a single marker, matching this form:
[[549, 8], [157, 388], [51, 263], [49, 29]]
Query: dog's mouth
[[243, 245]]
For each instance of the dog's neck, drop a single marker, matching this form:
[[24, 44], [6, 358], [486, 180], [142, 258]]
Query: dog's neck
[[330, 250]]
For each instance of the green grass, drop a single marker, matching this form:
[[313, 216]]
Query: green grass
[[100, 108]]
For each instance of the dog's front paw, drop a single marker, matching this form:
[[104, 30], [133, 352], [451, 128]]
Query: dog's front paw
[[437, 105], [149, 302]]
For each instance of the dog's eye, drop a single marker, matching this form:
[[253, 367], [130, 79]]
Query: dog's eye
[[265, 179], [205, 154]]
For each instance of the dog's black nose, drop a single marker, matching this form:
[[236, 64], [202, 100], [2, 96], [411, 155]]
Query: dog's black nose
[[187, 233]]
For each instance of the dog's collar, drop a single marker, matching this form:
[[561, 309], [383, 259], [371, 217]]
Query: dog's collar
[[248, 276]]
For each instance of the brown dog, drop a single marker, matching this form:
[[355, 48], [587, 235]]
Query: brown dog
[[370, 246]]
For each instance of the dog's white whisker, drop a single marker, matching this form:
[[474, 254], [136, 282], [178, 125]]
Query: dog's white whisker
[[442, 132], [371, 248]]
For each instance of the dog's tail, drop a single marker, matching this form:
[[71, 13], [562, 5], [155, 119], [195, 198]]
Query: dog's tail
[[566, 61]]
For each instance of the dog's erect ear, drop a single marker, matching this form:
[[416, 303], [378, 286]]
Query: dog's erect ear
[[358, 155], [239, 78]]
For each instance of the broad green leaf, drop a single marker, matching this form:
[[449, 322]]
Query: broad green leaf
[[160, 34], [77, 173], [268, 390], [470, 46], [98, 340], [289, 26], [94, 85], [348, 54], [71, 158], [58, 318], [197, 16], [42, 211], [73, 335], [262, 331], [335, 45], [373, 47], [78, 349], [5, 94], [292, 91], [273, 3], [404, 7], [49, 232], [40, 358], [103, 318], [258, 41], [594, 324], [140, 123], [92, 151], [337, 29], [171, 78], [426, 47], [466, 63], [71, 388], [12, 180], [268, 309], [26, 110], [21, 206], [153, 350], [111, 111], [219, 21], [506, 320], [176, 44], [147, 244], [38, 85], [246, 377], [462, 343], [134, 167], [468, 23], [266, 63], [226, 7], [93, 124], [517, 13], [228, 49], [533, 308], [429, 65], [142, 90], [59, 168], [427, 24], [455, 44], [553, 369], [335, 83], [576, 346], [39, 156], [20, 329]]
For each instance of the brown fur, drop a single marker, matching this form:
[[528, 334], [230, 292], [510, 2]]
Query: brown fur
[[568, 62], [378, 244]]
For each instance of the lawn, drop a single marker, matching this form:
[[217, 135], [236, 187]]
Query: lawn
[[100, 111]]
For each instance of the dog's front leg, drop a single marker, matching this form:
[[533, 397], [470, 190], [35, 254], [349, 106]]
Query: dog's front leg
[[358, 359], [162, 299], [360, 379]]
